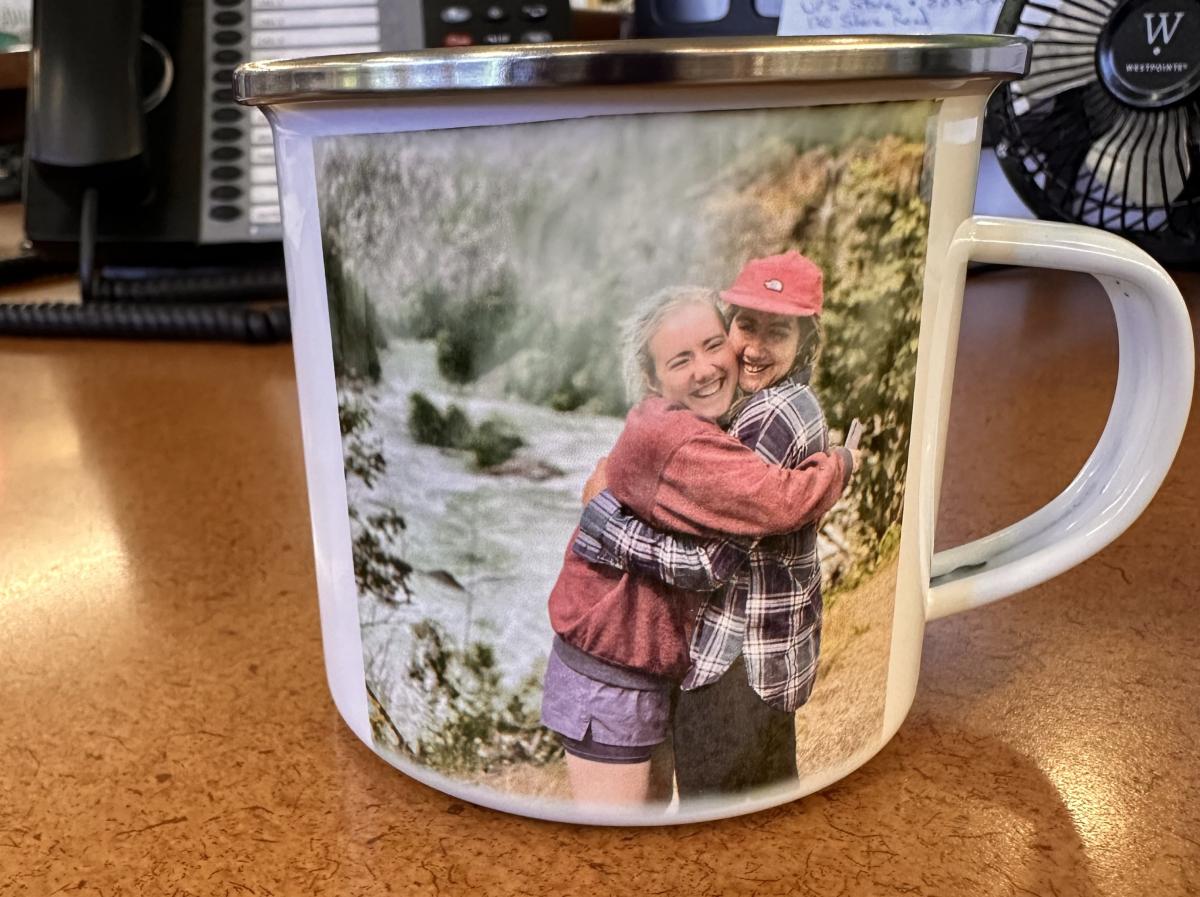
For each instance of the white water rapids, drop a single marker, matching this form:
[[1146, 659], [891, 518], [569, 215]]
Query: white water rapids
[[502, 538]]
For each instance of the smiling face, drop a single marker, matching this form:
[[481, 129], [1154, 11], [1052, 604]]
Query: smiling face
[[766, 344], [693, 361]]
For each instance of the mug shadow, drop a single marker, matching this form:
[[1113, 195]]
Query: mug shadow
[[941, 810]]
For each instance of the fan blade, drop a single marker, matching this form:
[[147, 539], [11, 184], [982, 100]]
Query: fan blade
[[1063, 55], [1144, 167], [1051, 75], [1058, 127]]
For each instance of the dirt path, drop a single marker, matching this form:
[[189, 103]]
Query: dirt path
[[846, 707]]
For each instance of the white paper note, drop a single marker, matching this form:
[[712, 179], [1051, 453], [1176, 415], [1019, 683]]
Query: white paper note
[[16, 21], [889, 16]]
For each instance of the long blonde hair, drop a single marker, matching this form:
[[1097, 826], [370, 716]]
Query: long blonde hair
[[639, 328]]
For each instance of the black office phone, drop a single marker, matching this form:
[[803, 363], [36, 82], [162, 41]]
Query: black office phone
[[203, 169]]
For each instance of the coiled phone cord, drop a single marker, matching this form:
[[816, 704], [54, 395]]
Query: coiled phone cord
[[134, 309], [147, 320]]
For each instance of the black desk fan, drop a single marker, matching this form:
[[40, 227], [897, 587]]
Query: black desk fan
[[1105, 130]]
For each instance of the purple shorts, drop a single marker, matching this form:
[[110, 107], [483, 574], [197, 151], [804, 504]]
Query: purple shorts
[[598, 721]]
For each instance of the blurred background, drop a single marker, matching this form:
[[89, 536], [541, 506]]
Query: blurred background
[[143, 180]]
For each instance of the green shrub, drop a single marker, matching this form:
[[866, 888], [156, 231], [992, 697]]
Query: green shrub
[[365, 462], [457, 427], [425, 423], [569, 365], [567, 397], [378, 569], [426, 317], [456, 355], [493, 442], [353, 324], [875, 267], [353, 414], [479, 724], [465, 329], [362, 453]]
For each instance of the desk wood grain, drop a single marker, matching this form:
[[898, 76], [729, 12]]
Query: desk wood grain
[[167, 728]]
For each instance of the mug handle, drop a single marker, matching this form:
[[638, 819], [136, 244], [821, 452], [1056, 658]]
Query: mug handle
[[1149, 411]]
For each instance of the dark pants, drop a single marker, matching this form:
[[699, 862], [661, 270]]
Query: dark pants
[[728, 741]]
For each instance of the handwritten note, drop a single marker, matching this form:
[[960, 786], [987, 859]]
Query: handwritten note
[[889, 16], [15, 22]]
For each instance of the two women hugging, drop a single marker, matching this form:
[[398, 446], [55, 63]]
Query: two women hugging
[[687, 612]]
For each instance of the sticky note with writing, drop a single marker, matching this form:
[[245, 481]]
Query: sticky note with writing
[[889, 16]]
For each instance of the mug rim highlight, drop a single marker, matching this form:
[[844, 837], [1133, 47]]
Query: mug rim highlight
[[690, 61]]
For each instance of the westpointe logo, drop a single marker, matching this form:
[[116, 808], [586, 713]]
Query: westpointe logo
[[1147, 53], [1159, 26]]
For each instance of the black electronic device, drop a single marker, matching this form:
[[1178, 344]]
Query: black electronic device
[[1105, 129], [456, 23], [141, 165], [210, 162], [110, 181], [705, 18]]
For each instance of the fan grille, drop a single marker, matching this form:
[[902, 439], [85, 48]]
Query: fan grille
[[1079, 146]]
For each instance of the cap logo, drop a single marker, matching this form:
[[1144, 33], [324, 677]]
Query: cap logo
[[775, 286]]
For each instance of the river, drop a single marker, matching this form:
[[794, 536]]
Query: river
[[500, 537]]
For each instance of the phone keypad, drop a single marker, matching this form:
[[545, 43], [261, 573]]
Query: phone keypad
[[463, 24], [239, 199], [455, 15], [225, 170], [226, 153]]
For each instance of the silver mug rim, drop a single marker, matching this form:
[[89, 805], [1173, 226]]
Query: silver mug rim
[[691, 62]]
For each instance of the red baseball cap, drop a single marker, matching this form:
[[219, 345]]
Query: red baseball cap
[[787, 284]]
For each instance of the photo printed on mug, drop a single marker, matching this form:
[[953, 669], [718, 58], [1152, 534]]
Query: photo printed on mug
[[625, 406]]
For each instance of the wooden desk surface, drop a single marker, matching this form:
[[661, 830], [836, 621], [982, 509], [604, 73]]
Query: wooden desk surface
[[167, 729]]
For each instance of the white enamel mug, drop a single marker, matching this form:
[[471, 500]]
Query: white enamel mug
[[466, 229]]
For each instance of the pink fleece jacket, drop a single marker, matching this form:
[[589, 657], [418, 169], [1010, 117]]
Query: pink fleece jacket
[[680, 472]]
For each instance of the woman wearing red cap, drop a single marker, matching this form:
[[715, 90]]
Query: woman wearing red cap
[[621, 641], [755, 646]]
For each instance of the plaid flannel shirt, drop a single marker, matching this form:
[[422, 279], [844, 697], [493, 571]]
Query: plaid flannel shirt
[[771, 611]]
